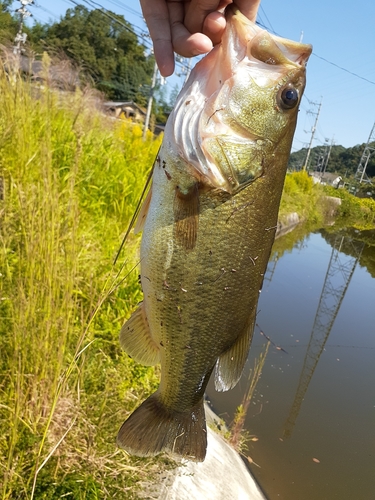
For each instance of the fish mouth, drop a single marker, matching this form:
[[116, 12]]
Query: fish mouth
[[258, 43]]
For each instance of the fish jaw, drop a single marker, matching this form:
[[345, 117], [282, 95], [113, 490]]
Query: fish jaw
[[232, 101]]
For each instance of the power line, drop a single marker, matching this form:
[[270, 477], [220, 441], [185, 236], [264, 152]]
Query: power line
[[143, 34], [320, 57], [106, 13], [343, 69], [264, 12], [46, 10]]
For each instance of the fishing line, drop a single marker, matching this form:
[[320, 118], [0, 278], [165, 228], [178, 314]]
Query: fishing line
[[136, 213]]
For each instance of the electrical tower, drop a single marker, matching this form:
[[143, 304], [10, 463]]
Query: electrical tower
[[20, 38], [321, 161], [313, 130], [339, 273], [368, 151], [323, 158]]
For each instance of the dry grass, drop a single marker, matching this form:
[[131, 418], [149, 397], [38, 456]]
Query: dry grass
[[237, 436]]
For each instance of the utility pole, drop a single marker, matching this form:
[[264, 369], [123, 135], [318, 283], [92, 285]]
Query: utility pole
[[150, 99], [368, 151], [305, 166], [20, 38], [188, 70], [328, 155]]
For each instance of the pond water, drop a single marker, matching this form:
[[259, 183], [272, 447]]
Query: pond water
[[313, 411]]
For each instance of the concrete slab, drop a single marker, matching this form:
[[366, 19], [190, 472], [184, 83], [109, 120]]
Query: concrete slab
[[222, 476]]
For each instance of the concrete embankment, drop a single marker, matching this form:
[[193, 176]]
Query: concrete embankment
[[287, 225], [222, 476]]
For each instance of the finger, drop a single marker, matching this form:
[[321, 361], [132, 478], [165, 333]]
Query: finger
[[196, 13], [185, 43], [214, 26], [189, 45], [249, 8], [156, 15]]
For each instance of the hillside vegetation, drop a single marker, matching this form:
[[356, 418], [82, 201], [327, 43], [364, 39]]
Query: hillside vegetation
[[101, 44], [342, 160]]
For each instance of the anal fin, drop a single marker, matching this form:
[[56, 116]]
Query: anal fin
[[136, 339], [230, 365]]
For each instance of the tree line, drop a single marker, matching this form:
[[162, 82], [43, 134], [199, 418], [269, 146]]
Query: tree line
[[343, 161], [101, 44]]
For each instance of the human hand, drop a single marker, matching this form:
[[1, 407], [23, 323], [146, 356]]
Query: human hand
[[188, 27]]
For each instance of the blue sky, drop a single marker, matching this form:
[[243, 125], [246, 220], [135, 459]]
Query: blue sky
[[341, 31]]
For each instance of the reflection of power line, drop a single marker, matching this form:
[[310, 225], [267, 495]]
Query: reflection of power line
[[339, 273]]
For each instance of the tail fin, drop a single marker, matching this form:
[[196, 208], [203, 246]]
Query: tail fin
[[152, 428]]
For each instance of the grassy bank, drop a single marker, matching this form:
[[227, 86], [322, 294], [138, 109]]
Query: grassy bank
[[313, 204], [358, 213], [300, 195], [69, 183]]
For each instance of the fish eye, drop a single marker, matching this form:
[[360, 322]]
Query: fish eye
[[288, 97]]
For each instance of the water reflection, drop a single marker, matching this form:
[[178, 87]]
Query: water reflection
[[315, 398], [339, 273]]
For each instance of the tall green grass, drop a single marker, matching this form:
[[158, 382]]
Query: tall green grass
[[302, 196], [353, 212], [69, 182], [313, 204]]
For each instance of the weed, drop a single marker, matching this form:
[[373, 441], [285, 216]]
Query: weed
[[237, 437]]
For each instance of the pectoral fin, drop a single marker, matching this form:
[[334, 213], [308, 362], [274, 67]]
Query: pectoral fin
[[230, 365], [136, 339], [186, 216]]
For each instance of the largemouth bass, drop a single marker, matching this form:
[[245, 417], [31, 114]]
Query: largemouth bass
[[208, 226]]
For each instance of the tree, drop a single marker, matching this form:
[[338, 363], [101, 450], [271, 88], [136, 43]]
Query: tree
[[8, 23], [104, 46], [343, 161]]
